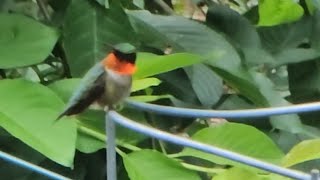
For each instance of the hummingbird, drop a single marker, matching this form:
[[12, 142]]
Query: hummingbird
[[108, 82]]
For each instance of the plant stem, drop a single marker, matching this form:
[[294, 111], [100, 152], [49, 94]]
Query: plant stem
[[202, 169], [100, 136], [38, 72], [92, 133], [165, 7], [43, 9], [59, 48], [121, 153], [176, 155], [61, 52], [163, 149]]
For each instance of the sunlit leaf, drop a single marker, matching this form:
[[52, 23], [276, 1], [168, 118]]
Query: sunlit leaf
[[151, 64], [274, 12], [239, 138], [28, 111], [147, 164], [141, 84], [304, 151], [149, 98]]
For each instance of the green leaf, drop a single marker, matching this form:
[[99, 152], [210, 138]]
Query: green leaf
[[140, 84], [28, 111], [88, 144], [314, 35], [237, 173], [290, 123], [150, 64], [186, 35], [104, 3], [177, 84], [65, 87], [149, 98], [239, 138], [312, 5], [206, 84], [237, 27], [180, 34], [240, 31], [239, 79], [278, 38], [24, 41], [148, 164], [88, 28], [304, 151], [139, 3], [295, 55], [274, 12], [91, 136]]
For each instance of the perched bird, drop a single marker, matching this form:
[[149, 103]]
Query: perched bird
[[108, 82]]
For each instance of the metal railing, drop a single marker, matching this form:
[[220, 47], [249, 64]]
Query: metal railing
[[113, 118]]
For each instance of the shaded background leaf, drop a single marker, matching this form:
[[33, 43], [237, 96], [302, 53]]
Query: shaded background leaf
[[88, 30], [31, 41]]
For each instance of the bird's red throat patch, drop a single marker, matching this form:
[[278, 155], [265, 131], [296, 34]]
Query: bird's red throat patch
[[121, 67]]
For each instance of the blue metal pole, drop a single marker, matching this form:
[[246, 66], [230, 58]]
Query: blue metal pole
[[206, 148], [32, 167], [248, 113], [111, 148]]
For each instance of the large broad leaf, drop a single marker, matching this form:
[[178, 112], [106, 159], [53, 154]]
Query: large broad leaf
[[28, 111], [24, 41], [89, 28], [314, 35], [237, 27], [186, 35], [150, 64], [235, 137], [240, 31], [295, 55], [147, 164], [65, 87], [304, 151], [289, 123], [177, 84], [183, 35], [274, 12], [277, 38], [206, 84], [180, 34]]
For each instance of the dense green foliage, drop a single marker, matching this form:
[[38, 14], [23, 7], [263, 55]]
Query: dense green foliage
[[230, 55]]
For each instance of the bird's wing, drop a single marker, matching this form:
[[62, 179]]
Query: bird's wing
[[90, 89]]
